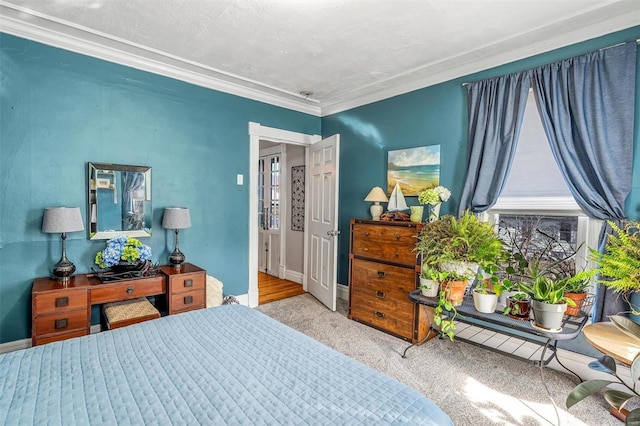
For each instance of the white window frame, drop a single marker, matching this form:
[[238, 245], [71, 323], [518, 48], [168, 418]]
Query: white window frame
[[588, 228]]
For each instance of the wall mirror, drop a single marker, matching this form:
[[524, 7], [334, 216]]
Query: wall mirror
[[119, 201]]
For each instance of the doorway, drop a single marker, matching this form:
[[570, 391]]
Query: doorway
[[319, 250]]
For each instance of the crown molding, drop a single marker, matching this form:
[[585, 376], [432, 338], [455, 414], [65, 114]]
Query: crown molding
[[48, 30], [592, 24], [44, 29]]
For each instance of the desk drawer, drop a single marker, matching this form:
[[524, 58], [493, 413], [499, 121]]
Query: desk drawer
[[185, 283], [130, 289], [62, 322], [60, 301], [58, 337], [182, 302]]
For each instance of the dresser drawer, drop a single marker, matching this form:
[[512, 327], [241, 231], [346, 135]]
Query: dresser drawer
[[386, 243], [190, 282], [60, 301], [386, 281], [62, 322], [187, 301], [130, 289], [384, 318]]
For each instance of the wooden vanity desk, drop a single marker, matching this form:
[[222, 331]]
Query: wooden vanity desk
[[62, 311]]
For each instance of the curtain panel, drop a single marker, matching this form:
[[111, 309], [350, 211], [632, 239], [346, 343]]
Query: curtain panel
[[587, 106], [496, 108]]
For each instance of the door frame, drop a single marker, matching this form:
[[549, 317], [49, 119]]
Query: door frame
[[257, 133]]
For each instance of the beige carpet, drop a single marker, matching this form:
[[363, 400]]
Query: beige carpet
[[474, 386]]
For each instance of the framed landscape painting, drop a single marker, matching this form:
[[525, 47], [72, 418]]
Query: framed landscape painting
[[415, 169]]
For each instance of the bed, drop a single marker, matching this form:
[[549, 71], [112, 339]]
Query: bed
[[226, 365]]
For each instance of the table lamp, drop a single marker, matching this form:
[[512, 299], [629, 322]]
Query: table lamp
[[176, 218], [62, 220], [378, 196]]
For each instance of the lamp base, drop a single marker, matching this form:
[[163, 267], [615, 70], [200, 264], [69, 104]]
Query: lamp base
[[63, 271], [376, 211], [176, 258]]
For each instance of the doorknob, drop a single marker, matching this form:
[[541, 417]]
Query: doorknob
[[333, 233]]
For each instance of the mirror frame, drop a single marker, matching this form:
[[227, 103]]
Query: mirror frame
[[92, 220]]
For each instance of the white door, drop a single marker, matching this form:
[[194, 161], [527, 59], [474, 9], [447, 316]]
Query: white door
[[269, 214], [323, 217]]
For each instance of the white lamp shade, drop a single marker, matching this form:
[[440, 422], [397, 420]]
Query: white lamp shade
[[62, 219], [176, 218], [377, 195]]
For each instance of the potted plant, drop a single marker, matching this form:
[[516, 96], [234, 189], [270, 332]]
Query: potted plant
[[548, 301], [434, 197], [619, 265], [460, 245], [518, 306], [576, 289], [487, 291], [430, 279], [124, 254]]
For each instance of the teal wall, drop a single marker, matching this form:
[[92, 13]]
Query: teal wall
[[433, 115], [60, 110]]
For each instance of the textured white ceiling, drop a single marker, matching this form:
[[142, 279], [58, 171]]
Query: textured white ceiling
[[346, 52]]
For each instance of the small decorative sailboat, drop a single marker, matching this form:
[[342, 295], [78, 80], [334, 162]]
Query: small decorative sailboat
[[396, 200]]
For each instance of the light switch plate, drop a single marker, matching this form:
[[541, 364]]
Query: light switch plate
[[240, 179]]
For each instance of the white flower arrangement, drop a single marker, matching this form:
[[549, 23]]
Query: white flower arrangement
[[434, 196]]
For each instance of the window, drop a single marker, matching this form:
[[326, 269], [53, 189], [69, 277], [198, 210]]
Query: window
[[269, 192], [536, 206]]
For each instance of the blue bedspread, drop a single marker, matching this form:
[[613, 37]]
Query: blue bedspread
[[227, 365]]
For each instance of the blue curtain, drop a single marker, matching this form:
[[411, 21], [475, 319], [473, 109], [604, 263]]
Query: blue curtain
[[132, 218], [587, 108], [496, 108]]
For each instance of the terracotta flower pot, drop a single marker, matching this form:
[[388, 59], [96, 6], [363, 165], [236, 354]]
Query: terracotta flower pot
[[454, 291], [578, 298]]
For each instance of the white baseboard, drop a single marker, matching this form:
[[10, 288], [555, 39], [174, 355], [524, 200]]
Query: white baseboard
[[243, 299], [296, 277], [15, 345], [342, 292]]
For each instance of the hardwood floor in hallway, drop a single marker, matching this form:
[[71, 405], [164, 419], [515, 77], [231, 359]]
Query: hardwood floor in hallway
[[272, 288]]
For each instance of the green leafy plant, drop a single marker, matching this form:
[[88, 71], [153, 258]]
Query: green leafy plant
[[578, 283], [447, 322], [545, 289], [616, 398], [619, 265], [514, 309], [464, 239]]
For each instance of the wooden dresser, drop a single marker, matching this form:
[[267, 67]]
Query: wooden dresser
[[382, 271], [60, 311]]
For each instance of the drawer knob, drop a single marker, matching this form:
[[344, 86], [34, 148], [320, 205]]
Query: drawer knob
[[62, 301], [380, 314], [381, 274], [61, 323], [188, 300], [188, 283], [397, 236], [366, 249], [397, 254], [380, 294], [130, 290], [366, 234]]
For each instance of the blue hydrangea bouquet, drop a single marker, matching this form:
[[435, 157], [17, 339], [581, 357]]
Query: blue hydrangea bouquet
[[123, 250]]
